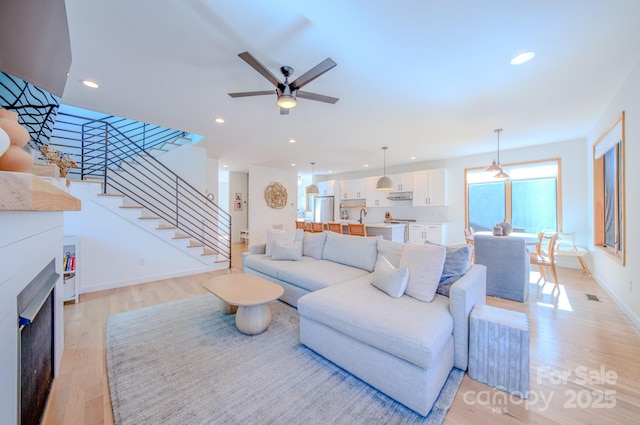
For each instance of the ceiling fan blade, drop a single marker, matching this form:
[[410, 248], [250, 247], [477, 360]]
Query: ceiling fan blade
[[255, 64], [284, 111], [313, 73], [252, 93], [316, 96]]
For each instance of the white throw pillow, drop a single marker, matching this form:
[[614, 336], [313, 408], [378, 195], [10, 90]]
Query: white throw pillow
[[389, 279], [425, 263], [291, 251], [286, 236]]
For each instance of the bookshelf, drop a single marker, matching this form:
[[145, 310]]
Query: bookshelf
[[70, 270]]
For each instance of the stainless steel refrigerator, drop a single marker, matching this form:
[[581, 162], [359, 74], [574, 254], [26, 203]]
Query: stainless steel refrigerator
[[323, 209]]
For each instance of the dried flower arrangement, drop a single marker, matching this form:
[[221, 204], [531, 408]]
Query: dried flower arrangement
[[57, 157]]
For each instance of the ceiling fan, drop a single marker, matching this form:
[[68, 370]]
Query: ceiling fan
[[286, 91]]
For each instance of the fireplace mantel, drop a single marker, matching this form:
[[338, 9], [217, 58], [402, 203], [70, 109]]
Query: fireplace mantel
[[28, 192]]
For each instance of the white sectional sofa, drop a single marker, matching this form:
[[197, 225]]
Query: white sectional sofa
[[401, 345]]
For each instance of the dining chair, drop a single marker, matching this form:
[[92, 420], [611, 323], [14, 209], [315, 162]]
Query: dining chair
[[544, 255], [357, 229], [468, 237], [301, 225], [317, 227], [333, 226]]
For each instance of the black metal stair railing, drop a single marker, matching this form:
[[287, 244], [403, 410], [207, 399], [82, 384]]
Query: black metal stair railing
[[122, 160]]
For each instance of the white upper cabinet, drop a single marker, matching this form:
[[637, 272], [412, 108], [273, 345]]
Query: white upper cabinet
[[375, 197], [430, 187], [402, 182], [327, 188], [353, 189]]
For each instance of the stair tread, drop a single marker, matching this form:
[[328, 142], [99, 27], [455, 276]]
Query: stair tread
[[166, 227], [149, 218], [193, 244], [120, 195], [181, 236], [131, 206]]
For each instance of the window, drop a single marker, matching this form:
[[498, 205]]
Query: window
[[608, 173], [529, 199]]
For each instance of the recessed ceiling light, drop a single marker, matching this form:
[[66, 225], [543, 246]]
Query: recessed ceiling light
[[413, 157], [224, 165], [91, 84], [521, 58], [220, 120], [293, 165], [292, 140], [366, 165], [330, 171]]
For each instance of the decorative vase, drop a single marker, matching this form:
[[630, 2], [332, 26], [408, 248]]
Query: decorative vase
[[497, 230], [506, 228]]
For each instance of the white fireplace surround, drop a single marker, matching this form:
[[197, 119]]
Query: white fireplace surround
[[28, 242]]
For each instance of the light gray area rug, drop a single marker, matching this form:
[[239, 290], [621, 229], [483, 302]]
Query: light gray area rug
[[184, 362]]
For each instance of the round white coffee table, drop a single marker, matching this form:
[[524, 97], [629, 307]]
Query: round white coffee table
[[251, 294]]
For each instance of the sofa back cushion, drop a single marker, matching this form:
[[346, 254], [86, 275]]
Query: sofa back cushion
[[354, 251], [390, 250], [313, 244]]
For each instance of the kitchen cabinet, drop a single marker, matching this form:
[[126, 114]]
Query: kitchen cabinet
[[375, 197], [402, 182], [421, 232], [353, 189], [327, 188], [430, 187]]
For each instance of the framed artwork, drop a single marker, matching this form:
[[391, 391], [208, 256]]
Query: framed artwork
[[237, 206]]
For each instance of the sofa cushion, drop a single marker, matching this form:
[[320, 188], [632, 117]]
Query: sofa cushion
[[282, 236], [313, 244], [389, 279], [354, 251], [318, 274], [263, 264], [425, 264], [291, 251], [405, 327], [390, 250]]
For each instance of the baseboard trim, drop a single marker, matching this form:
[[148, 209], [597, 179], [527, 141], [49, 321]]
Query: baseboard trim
[[635, 320]]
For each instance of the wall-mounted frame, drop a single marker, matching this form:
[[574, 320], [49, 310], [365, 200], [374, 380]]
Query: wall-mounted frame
[[609, 230]]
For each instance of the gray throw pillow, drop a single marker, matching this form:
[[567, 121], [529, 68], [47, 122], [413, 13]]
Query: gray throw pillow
[[457, 261], [291, 251], [389, 279], [425, 264]]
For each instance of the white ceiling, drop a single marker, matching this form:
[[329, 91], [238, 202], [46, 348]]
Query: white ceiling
[[427, 78]]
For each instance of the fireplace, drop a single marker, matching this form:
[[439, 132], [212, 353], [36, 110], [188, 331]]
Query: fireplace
[[36, 346]]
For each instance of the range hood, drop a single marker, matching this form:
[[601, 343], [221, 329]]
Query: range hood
[[400, 196]]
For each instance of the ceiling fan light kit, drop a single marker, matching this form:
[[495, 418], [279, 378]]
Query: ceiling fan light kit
[[287, 92], [384, 182]]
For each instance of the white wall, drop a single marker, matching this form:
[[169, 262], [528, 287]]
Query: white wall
[[238, 184], [261, 216], [622, 282], [114, 252]]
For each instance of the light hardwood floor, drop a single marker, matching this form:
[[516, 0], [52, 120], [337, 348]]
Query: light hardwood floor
[[584, 356]]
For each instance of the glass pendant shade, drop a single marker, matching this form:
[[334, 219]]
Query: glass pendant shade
[[384, 182]]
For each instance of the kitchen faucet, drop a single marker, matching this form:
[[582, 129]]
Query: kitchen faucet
[[361, 212]]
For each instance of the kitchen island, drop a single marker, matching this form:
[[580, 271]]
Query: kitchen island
[[390, 231]]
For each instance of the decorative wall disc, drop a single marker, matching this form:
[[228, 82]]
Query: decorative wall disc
[[276, 195]]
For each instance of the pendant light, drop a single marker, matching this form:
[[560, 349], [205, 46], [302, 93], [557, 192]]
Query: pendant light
[[495, 166], [312, 189], [384, 182]]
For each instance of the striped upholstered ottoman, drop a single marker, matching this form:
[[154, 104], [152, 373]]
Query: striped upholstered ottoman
[[499, 348]]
